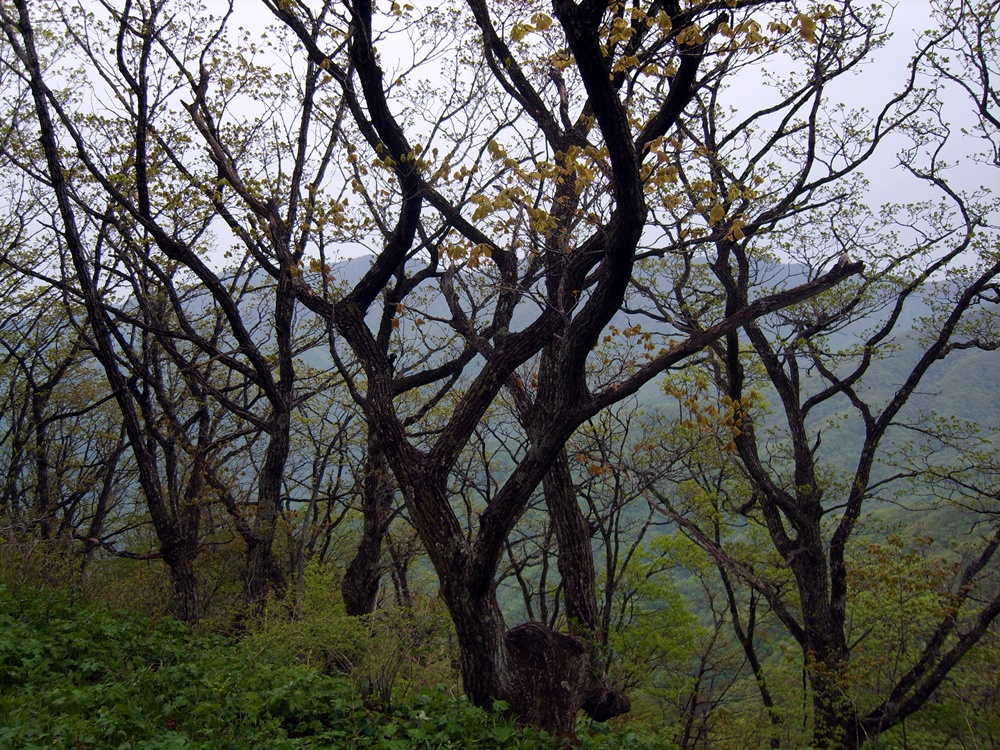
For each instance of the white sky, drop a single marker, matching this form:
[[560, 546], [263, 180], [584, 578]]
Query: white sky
[[871, 87]]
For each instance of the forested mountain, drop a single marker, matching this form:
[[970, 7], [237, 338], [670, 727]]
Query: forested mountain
[[637, 401]]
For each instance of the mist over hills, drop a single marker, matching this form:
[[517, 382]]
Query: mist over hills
[[962, 386], [965, 384]]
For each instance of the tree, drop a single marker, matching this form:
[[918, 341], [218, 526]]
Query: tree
[[522, 193], [960, 54], [60, 445], [191, 351], [831, 366]]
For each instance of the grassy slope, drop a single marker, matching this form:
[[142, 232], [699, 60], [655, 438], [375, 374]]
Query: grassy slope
[[81, 677]]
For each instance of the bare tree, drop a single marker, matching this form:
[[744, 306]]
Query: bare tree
[[60, 446]]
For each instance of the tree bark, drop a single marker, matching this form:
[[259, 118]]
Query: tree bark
[[361, 579], [185, 604]]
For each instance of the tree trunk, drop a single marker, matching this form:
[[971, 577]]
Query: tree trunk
[[400, 560], [543, 676], [361, 579], [262, 572], [576, 558], [552, 677], [43, 501], [835, 720], [179, 554], [185, 604]]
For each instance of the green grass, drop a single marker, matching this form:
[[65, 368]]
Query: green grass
[[78, 677]]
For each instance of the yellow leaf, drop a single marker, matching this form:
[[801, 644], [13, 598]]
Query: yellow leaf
[[542, 21], [520, 31], [690, 36], [807, 27], [664, 21]]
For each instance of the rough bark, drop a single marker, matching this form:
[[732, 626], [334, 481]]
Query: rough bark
[[553, 677], [362, 577], [185, 604]]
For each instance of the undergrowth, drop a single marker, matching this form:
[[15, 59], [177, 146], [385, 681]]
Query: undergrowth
[[78, 677]]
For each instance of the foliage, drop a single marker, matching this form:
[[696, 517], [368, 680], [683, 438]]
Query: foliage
[[654, 635], [389, 654], [73, 676], [524, 176]]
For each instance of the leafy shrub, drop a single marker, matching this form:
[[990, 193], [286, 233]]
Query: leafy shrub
[[387, 655], [80, 677]]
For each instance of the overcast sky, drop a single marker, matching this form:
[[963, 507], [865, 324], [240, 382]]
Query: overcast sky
[[870, 87]]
